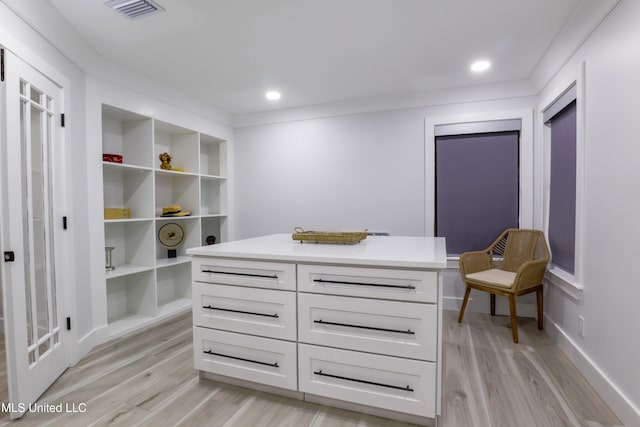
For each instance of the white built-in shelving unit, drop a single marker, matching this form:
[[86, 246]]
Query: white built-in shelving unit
[[146, 284]]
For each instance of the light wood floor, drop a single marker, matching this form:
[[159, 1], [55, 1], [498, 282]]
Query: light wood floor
[[148, 380]]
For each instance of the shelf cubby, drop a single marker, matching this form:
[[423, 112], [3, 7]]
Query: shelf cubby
[[131, 300], [176, 189], [212, 226], [133, 243], [213, 194], [174, 286], [128, 187], [213, 156], [180, 143], [127, 134], [191, 227]]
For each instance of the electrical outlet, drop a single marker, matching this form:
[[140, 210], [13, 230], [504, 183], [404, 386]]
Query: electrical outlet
[[581, 326]]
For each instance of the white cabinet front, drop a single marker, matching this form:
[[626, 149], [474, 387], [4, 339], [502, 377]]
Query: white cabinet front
[[404, 285], [387, 327], [256, 274], [380, 381], [253, 311], [256, 359]]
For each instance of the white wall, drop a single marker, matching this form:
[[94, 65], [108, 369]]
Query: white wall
[[343, 173], [340, 173], [611, 234]]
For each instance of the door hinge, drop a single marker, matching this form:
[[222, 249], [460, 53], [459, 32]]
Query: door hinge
[[9, 256], [68, 323], [62, 119], [1, 65], [64, 222]]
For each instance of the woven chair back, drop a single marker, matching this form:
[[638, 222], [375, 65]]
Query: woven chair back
[[521, 246]]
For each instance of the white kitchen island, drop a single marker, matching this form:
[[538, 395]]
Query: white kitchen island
[[355, 326]]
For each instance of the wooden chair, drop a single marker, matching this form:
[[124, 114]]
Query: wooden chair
[[513, 265]]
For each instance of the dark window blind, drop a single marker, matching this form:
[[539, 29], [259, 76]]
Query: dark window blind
[[562, 192], [477, 188]]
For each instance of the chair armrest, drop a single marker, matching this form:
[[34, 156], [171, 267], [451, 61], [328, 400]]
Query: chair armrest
[[472, 262], [530, 274]]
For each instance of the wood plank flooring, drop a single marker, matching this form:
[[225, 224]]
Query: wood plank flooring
[[488, 381]]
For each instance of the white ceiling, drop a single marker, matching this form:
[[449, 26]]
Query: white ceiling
[[228, 53]]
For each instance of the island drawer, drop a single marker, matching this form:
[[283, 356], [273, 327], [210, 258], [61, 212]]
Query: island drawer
[[386, 327], [405, 285], [258, 274], [264, 312], [380, 381], [256, 359]]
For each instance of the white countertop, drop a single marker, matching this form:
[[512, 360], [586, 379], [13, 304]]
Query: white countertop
[[382, 251]]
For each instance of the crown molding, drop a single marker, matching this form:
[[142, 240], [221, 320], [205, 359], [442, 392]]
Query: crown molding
[[506, 90]]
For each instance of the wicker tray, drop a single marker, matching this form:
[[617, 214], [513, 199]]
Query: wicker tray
[[344, 237]]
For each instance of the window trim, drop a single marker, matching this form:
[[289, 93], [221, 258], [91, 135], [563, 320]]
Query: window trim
[[565, 281], [526, 190], [570, 284]]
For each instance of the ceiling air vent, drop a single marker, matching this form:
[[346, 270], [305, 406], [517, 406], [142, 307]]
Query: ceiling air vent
[[135, 9]]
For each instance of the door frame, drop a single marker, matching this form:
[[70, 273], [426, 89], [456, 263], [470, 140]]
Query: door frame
[[60, 180]]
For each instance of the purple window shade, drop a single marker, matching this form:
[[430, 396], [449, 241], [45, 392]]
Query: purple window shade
[[477, 188], [562, 194]]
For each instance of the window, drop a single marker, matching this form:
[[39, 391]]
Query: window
[[476, 184], [560, 117]]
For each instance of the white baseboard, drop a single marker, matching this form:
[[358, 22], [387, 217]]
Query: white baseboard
[[617, 401], [87, 343]]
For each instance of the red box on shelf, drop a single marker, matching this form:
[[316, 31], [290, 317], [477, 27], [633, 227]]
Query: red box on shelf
[[114, 158]]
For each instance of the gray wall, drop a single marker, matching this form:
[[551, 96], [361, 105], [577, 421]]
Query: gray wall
[[342, 173]]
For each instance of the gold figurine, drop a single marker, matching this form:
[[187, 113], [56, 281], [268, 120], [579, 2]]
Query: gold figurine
[[165, 158]]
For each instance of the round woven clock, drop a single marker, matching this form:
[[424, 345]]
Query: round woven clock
[[171, 235]]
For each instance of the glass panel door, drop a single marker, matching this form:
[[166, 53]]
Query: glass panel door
[[36, 117], [32, 190]]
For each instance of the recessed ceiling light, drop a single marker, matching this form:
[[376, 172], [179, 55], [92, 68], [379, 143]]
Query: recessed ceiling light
[[479, 66], [272, 95]]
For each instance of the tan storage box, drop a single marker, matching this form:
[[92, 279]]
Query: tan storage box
[[117, 213]]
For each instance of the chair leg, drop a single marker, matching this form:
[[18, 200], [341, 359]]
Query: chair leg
[[492, 297], [464, 304], [514, 321], [540, 311]]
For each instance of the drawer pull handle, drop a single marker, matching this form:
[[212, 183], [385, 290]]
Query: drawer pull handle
[[230, 273], [364, 284], [275, 364], [407, 388], [408, 331], [240, 311]]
